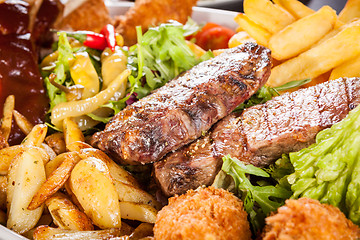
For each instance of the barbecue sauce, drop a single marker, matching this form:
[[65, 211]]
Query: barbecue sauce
[[19, 72]]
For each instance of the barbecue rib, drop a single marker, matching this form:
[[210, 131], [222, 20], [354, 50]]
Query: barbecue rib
[[179, 112], [260, 135]]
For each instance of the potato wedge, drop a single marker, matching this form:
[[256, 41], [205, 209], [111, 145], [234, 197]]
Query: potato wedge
[[321, 58], [55, 180], [92, 185], [349, 68], [46, 233], [128, 193], [142, 231], [22, 122], [117, 173], [127, 187], [350, 11], [270, 16], [36, 137], [54, 163], [302, 34], [7, 155], [57, 142], [295, 7], [77, 146], [240, 38], [138, 211], [66, 215], [3, 187], [72, 132], [257, 32], [3, 217], [7, 116], [26, 175], [50, 152]]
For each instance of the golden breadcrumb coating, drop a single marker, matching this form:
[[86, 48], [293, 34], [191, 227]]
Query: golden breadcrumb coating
[[147, 13], [306, 219], [206, 213], [92, 15]]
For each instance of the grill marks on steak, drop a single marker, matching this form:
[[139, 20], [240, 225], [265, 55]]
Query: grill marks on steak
[[178, 113], [260, 135]]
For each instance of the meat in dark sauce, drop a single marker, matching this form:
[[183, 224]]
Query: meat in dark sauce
[[19, 73]]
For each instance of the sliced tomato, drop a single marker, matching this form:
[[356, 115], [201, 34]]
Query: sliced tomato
[[213, 36]]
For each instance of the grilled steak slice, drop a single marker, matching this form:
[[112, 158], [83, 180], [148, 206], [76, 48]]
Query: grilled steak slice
[[260, 135], [183, 109]]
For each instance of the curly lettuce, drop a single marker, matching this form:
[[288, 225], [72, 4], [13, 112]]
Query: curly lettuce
[[329, 169]]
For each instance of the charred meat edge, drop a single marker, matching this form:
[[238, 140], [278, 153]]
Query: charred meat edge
[[179, 112], [260, 135]]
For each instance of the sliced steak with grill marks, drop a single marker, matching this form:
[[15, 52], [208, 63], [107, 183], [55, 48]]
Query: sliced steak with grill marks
[[260, 135], [179, 112]]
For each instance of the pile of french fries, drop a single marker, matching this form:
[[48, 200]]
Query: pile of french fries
[[59, 187], [319, 45]]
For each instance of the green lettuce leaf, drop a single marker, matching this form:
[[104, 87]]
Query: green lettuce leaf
[[329, 169], [260, 198], [61, 70]]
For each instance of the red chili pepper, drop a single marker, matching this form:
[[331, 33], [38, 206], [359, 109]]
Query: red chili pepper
[[90, 39], [96, 41], [109, 32]]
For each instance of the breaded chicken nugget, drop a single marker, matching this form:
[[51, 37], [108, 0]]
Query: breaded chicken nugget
[[206, 213], [150, 13], [306, 219]]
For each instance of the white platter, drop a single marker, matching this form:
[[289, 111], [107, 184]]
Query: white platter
[[200, 15]]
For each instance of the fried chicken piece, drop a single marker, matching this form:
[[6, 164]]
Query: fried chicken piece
[[147, 13], [92, 15], [307, 219], [206, 213]]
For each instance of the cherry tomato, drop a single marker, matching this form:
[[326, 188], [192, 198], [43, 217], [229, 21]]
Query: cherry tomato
[[213, 36]]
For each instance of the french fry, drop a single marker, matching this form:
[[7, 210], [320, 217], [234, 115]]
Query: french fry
[[321, 58], [295, 7], [22, 122], [26, 175], [302, 34], [350, 11], [7, 116], [46, 233], [72, 132], [55, 181], [270, 16], [240, 38], [36, 137], [138, 211], [66, 215], [3, 187], [7, 155], [257, 32], [349, 68], [92, 185], [57, 142]]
